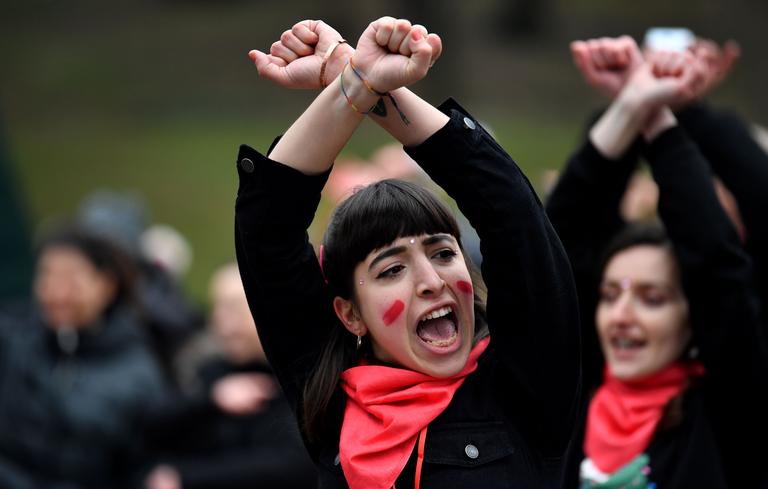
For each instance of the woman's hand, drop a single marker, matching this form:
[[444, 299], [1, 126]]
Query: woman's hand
[[163, 477], [718, 61], [244, 393], [607, 63], [296, 59], [393, 53], [665, 79]]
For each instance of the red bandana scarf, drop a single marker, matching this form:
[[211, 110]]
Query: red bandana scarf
[[623, 416], [386, 409]]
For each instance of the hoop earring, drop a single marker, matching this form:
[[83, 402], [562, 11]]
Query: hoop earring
[[359, 341]]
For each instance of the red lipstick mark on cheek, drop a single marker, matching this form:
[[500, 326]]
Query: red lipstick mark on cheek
[[393, 312], [464, 286]]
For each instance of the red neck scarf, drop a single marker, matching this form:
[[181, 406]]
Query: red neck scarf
[[386, 409], [623, 415]]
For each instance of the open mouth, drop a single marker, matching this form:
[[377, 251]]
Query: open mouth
[[626, 346], [438, 328]]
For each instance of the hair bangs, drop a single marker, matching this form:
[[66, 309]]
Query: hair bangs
[[374, 217]]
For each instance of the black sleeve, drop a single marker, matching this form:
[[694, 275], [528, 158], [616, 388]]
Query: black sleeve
[[532, 308], [716, 276], [280, 272], [177, 418], [270, 467], [734, 155], [584, 209]]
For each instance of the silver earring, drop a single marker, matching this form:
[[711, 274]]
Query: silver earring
[[359, 341], [361, 282]]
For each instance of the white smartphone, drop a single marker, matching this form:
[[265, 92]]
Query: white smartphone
[[668, 39]]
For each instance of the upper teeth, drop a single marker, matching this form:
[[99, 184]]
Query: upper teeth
[[438, 313], [624, 342]]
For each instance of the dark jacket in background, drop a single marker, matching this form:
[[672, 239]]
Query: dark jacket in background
[[72, 406], [742, 165], [212, 449]]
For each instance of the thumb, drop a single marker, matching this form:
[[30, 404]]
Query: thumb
[[578, 51], [269, 67]]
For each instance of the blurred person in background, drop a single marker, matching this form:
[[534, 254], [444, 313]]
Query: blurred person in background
[[731, 146], [161, 254], [76, 374], [671, 308], [238, 431]]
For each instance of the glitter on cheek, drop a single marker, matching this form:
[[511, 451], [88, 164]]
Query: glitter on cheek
[[464, 286], [393, 312]]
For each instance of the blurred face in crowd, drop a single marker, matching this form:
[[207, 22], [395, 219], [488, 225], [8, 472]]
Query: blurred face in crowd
[[231, 319], [72, 292], [642, 315]]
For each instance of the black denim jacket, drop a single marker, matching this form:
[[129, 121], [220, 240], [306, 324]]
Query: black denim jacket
[[511, 421]]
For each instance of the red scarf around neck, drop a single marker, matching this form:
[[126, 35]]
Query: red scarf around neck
[[623, 415], [386, 409]]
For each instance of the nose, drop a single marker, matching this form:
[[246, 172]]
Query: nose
[[428, 280], [622, 312]]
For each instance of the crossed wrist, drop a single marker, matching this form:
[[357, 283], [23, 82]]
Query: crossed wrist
[[357, 94], [335, 59], [632, 106]]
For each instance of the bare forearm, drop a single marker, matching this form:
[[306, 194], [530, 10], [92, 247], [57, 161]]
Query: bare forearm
[[618, 127], [423, 119], [314, 141]]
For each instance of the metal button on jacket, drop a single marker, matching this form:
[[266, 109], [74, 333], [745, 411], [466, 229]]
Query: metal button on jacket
[[469, 123], [471, 451], [247, 165]]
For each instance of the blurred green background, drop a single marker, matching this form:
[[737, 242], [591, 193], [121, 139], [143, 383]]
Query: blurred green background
[[155, 96]]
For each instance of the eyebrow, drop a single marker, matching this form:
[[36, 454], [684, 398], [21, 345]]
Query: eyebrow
[[396, 250], [436, 238], [639, 285]]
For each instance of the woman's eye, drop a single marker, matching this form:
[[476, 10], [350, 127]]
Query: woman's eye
[[655, 299], [391, 271], [445, 255], [608, 294]]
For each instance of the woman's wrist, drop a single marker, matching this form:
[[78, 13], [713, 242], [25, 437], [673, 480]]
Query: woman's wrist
[[336, 62], [353, 90], [615, 131], [658, 122]]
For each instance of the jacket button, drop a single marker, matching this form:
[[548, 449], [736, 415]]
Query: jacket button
[[247, 165], [337, 460], [471, 451], [469, 123]]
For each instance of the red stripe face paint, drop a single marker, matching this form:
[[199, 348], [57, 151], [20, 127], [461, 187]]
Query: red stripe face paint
[[464, 286], [393, 312]]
